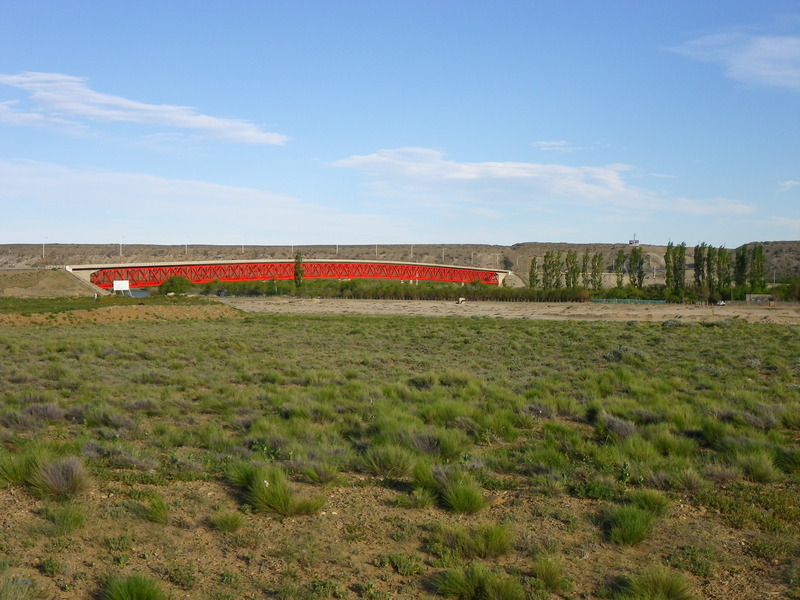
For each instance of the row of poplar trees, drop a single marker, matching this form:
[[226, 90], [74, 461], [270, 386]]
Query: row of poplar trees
[[715, 269], [588, 272]]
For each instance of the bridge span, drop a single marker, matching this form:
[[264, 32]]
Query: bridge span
[[154, 274]]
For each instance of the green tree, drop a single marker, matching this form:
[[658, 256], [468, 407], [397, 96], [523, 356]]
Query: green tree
[[175, 285], [711, 269], [551, 270], [619, 267], [758, 270], [636, 267], [723, 268], [700, 264], [669, 271], [586, 261], [679, 268], [741, 265], [597, 271], [533, 276], [299, 270], [572, 270]]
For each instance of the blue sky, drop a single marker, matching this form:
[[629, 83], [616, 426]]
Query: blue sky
[[413, 121]]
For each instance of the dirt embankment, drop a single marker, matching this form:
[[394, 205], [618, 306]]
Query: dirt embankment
[[42, 283], [583, 311], [124, 314]]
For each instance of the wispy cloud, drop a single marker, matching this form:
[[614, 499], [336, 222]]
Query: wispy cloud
[[788, 185], [533, 181], [65, 99], [560, 146], [762, 60], [429, 177]]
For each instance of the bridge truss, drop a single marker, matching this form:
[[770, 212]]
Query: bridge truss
[[151, 276]]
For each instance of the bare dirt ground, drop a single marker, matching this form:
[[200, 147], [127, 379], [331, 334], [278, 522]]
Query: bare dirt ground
[[41, 283], [585, 311]]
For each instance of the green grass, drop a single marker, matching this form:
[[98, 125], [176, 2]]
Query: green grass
[[550, 573], [456, 490], [657, 583], [17, 588], [477, 582], [390, 461], [422, 420], [133, 587], [266, 489], [60, 478], [628, 525], [228, 522], [481, 541], [65, 518]]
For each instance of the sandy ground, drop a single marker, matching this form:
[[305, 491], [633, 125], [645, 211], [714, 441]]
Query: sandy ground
[[586, 311]]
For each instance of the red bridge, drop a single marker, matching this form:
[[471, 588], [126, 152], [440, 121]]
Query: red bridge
[[155, 274]]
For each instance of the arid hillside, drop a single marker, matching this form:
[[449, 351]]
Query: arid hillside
[[783, 258]]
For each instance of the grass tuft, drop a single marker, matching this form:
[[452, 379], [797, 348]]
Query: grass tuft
[[16, 588], [456, 490], [61, 478], [476, 582], [134, 587], [484, 541], [228, 522], [627, 525], [390, 461], [659, 583], [66, 518], [551, 574], [652, 501], [266, 489], [17, 469]]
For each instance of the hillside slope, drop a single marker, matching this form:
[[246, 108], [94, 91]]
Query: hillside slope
[[783, 258]]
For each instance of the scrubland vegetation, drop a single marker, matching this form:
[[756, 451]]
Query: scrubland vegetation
[[399, 457]]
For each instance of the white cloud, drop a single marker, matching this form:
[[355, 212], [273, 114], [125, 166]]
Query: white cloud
[[763, 60], [427, 177], [64, 98], [788, 185], [537, 182], [560, 146]]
